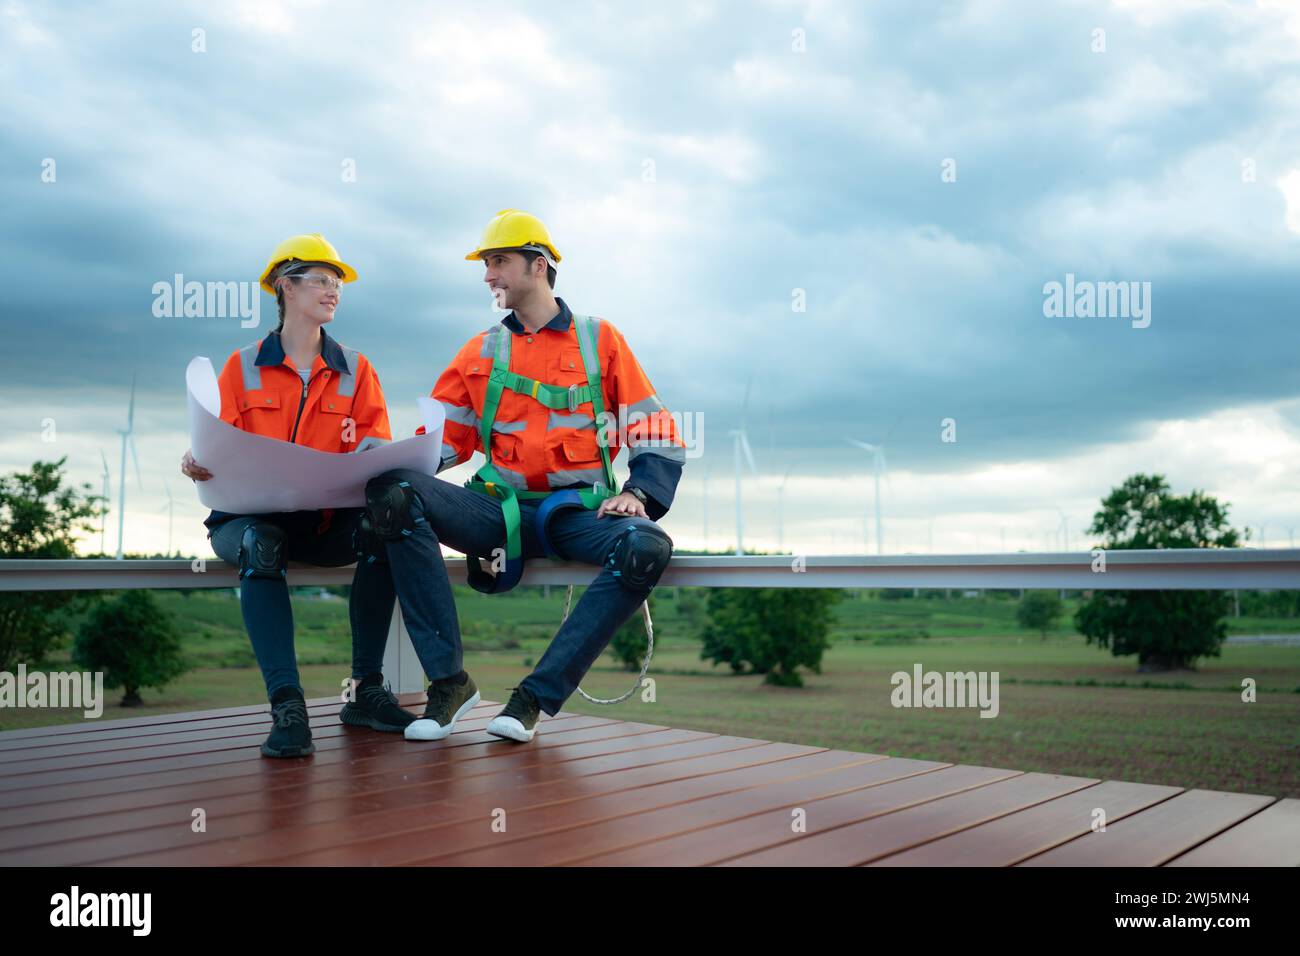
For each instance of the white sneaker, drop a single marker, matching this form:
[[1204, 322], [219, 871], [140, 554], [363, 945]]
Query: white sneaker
[[518, 721], [438, 722]]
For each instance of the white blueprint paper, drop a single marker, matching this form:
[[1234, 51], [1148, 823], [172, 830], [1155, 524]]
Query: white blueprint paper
[[253, 474]]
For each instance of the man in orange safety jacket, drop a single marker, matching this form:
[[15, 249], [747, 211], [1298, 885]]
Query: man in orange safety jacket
[[550, 397]]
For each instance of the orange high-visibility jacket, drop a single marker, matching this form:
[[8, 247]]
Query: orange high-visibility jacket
[[343, 405], [540, 449]]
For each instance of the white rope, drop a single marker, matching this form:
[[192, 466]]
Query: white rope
[[645, 664]]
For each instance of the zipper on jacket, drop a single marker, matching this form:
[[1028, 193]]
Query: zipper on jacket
[[302, 403]]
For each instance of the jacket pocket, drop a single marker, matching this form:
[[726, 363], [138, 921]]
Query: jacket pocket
[[582, 450], [336, 404], [259, 398], [570, 370]]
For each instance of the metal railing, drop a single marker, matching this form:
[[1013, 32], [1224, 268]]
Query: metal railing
[[1190, 569]]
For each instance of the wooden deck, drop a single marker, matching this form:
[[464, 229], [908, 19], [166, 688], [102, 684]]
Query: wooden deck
[[586, 791]]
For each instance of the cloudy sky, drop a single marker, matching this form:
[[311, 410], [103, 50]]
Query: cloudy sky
[[852, 208]]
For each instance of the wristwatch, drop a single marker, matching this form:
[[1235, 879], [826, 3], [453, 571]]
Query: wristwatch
[[637, 492]]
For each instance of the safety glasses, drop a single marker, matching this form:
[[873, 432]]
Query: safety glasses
[[324, 283]]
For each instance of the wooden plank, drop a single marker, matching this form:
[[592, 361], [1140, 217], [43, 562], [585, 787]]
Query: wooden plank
[[1269, 838], [456, 807], [1156, 835], [1017, 836], [886, 833], [548, 837]]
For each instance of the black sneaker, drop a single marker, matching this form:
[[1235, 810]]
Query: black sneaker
[[450, 699], [375, 707], [291, 735], [518, 721]]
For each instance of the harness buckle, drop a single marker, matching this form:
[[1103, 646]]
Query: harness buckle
[[573, 398]]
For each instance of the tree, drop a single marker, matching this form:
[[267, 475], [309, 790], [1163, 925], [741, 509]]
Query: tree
[[691, 608], [629, 642], [772, 631], [1165, 629], [1039, 610], [40, 518], [134, 642]]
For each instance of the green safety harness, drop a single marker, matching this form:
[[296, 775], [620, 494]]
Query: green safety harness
[[488, 480]]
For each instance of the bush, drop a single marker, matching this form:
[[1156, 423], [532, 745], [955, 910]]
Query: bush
[[628, 645], [1270, 603], [1039, 611], [893, 638], [691, 608], [770, 631], [133, 641]]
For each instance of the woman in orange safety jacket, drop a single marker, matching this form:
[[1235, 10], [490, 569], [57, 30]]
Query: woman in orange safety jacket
[[299, 385]]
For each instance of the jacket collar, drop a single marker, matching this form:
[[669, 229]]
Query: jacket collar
[[272, 352], [563, 319]]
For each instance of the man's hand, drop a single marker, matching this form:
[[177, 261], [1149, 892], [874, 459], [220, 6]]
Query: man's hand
[[192, 469], [622, 506]]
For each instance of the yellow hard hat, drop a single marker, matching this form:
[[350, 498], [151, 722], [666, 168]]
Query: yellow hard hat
[[311, 247], [515, 229]]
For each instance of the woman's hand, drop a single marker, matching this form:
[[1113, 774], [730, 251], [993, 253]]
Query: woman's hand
[[192, 469]]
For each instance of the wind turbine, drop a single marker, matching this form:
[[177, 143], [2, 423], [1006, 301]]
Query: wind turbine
[[127, 437], [1064, 529], [740, 443], [706, 507], [171, 502], [878, 466], [780, 510], [103, 513]]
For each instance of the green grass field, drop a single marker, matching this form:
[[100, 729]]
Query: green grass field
[[1065, 706]]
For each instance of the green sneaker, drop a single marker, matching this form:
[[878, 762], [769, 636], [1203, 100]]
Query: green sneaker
[[376, 708], [448, 702], [518, 721]]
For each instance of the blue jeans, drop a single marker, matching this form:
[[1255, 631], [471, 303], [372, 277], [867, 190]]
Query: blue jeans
[[268, 616], [472, 523]]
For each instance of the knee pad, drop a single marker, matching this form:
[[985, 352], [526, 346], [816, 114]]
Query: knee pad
[[367, 545], [389, 509], [263, 551], [639, 557]]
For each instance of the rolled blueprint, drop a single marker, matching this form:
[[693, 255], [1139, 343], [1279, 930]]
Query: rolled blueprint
[[253, 474]]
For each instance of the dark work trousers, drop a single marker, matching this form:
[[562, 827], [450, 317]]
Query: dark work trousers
[[268, 616], [471, 522]]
